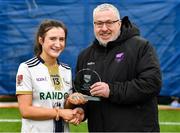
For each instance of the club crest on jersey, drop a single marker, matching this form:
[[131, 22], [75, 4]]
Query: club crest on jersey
[[19, 80], [87, 78]]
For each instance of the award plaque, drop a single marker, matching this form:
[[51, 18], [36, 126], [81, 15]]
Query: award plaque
[[83, 80]]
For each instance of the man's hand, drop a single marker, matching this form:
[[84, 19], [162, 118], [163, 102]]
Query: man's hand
[[78, 117], [100, 89]]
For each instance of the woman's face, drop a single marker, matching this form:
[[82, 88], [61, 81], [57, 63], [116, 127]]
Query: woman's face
[[53, 43]]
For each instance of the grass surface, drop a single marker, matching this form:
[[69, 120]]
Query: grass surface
[[172, 116], [13, 113]]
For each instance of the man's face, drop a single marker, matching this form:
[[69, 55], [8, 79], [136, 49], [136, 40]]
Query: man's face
[[106, 26]]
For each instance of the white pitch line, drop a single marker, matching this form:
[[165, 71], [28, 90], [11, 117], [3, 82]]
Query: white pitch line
[[10, 120], [170, 123]]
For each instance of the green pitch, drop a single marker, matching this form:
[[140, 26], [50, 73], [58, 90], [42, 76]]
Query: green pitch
[[10, 121]]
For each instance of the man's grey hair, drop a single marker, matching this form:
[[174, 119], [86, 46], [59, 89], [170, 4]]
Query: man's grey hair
[[105, 7]]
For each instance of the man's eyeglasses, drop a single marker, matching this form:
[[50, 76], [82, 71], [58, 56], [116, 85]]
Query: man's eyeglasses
[[100, 24]]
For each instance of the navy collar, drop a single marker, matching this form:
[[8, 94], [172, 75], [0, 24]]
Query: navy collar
[[42, 61]]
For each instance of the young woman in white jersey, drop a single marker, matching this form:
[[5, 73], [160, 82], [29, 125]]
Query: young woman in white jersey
[[43, 84]]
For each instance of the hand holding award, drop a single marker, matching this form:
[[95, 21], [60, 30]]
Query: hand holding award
[[83, 80]]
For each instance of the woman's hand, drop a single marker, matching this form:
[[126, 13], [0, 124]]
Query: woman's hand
[[76, 99], [66, 114]]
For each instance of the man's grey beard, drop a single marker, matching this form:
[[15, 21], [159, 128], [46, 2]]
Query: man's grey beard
[[105, 44]]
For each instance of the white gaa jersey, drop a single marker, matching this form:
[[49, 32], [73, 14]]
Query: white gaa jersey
[[33, 78]]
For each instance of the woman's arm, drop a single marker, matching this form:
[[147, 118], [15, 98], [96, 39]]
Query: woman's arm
[[29, 111]]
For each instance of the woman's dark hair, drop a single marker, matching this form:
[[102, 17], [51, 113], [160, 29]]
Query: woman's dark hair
[[44, 27]]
